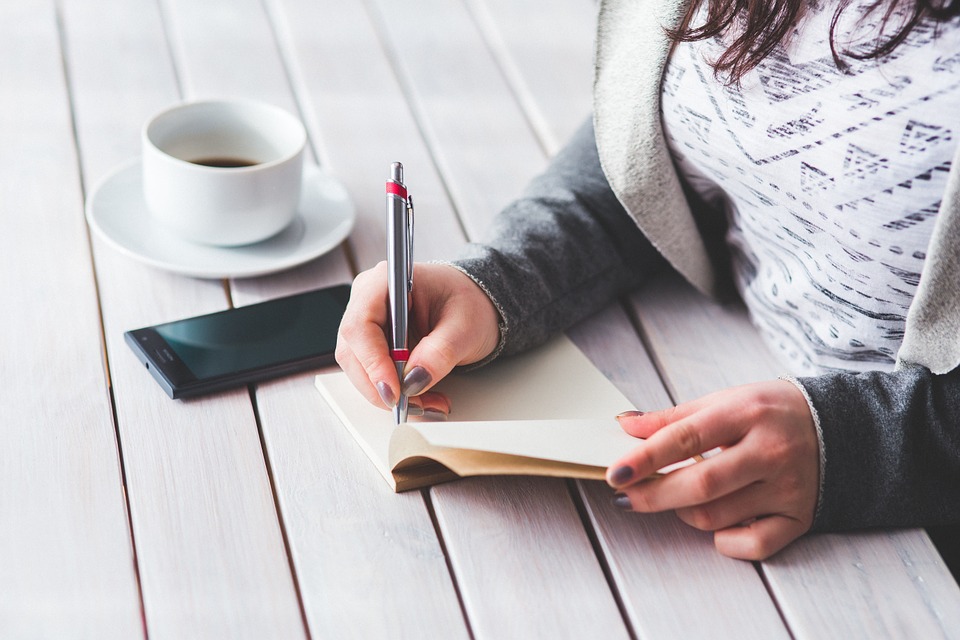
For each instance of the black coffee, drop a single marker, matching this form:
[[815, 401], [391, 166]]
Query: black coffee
[[224, 162]]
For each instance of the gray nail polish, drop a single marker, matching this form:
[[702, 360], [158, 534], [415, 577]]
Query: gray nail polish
[[415, 381], [621, 475], [429, 415], [621, 502], [386, 394]]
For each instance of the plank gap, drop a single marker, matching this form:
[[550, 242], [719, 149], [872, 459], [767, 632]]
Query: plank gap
[[428, 502], [648, 346], [68, 86], [773, 598], [129, 513], [225, 283], [575, 494], [500, 54], [276, 504], [392, 56], [286, 61], [284, 44], [104, 358], [163, 10]]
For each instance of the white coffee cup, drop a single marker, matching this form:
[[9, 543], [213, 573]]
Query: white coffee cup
[[188, 188]]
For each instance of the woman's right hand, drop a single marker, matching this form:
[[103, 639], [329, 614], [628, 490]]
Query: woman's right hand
[[452, 322]]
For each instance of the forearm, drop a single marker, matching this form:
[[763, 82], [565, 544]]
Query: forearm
[[892, 448], [561, 251]]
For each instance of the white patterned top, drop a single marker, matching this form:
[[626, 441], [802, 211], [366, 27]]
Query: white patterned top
[[831, 181]]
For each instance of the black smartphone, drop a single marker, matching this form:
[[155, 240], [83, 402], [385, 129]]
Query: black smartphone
[[235, 347]]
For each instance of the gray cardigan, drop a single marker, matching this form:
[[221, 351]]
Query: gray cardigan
[[610, 212]]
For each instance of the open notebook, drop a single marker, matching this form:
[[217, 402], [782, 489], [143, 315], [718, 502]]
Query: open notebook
[[547, 412]]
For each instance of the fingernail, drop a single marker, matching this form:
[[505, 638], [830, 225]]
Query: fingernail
[[417, 411], [386, 394], [415, 381], [621, 502], [621, 475], [633, 413], [414, 410]]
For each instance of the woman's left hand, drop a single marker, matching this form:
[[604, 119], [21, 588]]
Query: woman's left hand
[[758, 494]]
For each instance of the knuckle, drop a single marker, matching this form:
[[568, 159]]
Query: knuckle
[[668, 415], [346, 333], [760, 547], [705, 486], [642, 459], [439, 350], [642, 500], [342, 353], [751, 548], [370, 362], [687, 434], [701, 518], [754, 412]]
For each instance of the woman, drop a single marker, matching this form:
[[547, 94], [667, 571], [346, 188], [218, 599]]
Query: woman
[[803, 153]]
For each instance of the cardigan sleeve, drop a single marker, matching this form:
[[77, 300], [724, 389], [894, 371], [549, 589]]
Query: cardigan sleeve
[[560, 252], [891, 448]]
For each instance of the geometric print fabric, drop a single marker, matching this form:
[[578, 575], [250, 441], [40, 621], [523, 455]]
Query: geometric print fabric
[[830, 180]]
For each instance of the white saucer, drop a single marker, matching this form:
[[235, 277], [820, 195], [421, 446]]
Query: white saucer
[[118, 214]]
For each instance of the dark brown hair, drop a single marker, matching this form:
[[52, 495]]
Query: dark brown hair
[[755, 27]]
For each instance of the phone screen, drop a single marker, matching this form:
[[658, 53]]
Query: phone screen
[[241, 345]]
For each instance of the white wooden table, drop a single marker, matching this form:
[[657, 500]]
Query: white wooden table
[[253, 514]]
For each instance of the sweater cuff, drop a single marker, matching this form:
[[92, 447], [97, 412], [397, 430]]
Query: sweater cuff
[[823, 452]]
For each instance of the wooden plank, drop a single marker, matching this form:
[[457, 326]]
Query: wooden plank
[[701, 345], [674, 583], [358, 116], [226, 49], [869, 585], [65, 548], [477, 135], [211, 554], [525, 565], [368, 563], [863, 585], [547, 58]]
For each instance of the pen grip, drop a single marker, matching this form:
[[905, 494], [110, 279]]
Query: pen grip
[[399, 260]]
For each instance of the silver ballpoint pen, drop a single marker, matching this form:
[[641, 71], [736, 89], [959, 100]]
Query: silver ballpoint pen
[[400, 267]]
